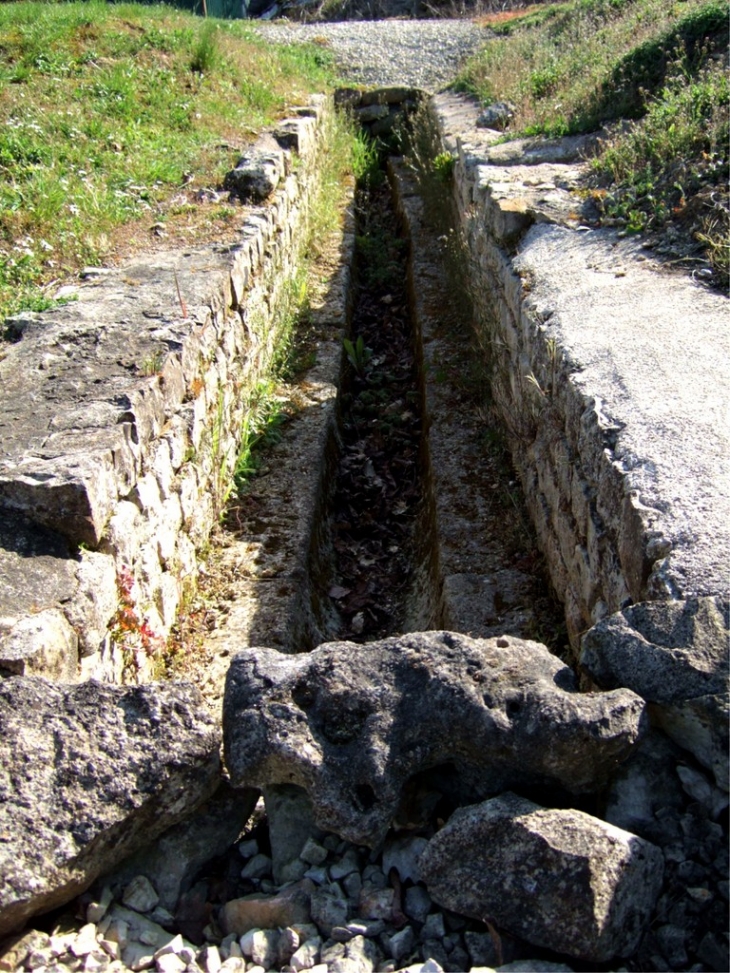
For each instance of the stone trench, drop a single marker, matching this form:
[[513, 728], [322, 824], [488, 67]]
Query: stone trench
[[406, 777]]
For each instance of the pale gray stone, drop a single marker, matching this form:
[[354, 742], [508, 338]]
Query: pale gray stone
[[329, 909], [257, 867], [433, 927], [43, 644], [401, 943], [700, 725], [643, 784], [140, 894], [332, 721], [360, 956], [559, 879], [345, 866], [307, 955], [402, 854], [104, 770], [265, 947], [665, 651], [313, 853], [417, 903], [291, 825]]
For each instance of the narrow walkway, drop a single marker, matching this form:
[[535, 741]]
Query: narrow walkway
[[405, 53]]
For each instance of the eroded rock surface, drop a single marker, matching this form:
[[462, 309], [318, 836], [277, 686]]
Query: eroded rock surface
[[559, 878], [666, 651], [674, 654], [88, 774], [352, 725]]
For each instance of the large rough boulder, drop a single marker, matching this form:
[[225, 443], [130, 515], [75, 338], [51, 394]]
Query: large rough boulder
[[88, 774], [673, 654], [560, 879], [352, 724]]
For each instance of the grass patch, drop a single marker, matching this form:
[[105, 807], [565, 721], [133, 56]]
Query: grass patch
[[107, 111], [570, 68], [272, 403]]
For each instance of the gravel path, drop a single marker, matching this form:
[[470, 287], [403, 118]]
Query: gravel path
[[416, 53]]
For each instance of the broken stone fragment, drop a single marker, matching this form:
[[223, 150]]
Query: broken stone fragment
[[497, 115], [675, 655], [352, 727], [560, 879], [256, 176], [290, 907], [666, 651], [88, 774]]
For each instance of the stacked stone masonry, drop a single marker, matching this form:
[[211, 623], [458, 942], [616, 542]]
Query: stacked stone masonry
[[121, 419], [625, 496]]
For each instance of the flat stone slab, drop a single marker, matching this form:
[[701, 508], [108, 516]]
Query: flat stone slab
[[652, 348]]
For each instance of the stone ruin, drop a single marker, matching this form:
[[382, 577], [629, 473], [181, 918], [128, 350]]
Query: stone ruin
[[436, 801]]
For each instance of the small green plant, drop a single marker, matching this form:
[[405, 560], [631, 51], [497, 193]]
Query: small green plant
[[206, 55], [443, 166], [357, 353], [152, 365]]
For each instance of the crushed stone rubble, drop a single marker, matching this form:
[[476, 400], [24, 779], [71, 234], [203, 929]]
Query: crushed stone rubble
[[422, 54], [344, 916]]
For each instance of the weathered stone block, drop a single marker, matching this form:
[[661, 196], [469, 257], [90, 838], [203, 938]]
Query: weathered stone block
[[88, 774], [352, 728], [40, 644], [559, 879]]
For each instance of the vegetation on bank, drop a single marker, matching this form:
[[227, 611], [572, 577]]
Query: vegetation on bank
[[112, 118], [578, 66]]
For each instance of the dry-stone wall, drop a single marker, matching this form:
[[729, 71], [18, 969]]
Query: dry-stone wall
[[616, 452], [121, 417]]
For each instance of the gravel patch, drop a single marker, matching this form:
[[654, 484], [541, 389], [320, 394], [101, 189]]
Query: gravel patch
[[422, 54]]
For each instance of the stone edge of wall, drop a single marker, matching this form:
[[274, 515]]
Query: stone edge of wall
[[601, 550], [137, 505]]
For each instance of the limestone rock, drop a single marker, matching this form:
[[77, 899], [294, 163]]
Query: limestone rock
[[673, 654], [645, 783], [256, 175], [666, 651], [701, 726], [352, 727], [89, 773], [497, 115], [558, 878], [290, 907], [43, 644], [291, 825]]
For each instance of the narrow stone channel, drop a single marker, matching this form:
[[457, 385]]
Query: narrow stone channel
[[380, 478]]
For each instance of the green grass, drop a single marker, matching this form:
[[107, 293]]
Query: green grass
[[570, 68], [269, 406], [105, 111]]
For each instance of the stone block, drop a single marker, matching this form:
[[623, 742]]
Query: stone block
[[90, 772], [306, 720], [95, 600], [559, 879], [42, 644]]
